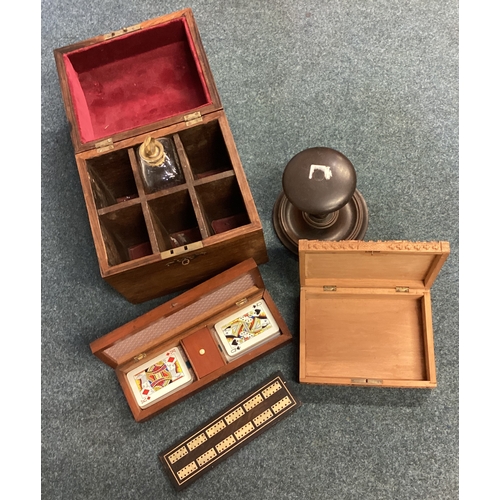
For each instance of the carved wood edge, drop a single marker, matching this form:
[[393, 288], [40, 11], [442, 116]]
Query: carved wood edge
[[403, 245]]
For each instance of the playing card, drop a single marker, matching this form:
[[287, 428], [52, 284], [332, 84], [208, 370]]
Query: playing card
[[246, 328], [159, 377]]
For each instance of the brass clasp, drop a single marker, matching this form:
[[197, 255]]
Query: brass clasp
[[186, 260]]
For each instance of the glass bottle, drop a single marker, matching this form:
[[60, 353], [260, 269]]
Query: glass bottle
[[159, 162]]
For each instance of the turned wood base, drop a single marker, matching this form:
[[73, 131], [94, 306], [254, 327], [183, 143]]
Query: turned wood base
[[348, 223]]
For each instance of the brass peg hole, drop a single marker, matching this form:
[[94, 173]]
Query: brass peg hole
[[202, 351]]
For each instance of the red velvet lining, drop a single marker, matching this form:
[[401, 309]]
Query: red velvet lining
[[136, 79]]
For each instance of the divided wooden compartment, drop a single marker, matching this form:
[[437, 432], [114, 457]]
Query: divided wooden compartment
[[153, 79], [365, 312], [187, 321]]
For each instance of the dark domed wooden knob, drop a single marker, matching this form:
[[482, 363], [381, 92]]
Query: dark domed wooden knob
[[319, 181], [319, 199]]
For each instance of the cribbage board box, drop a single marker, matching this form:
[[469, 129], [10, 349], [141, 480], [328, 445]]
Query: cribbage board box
[[153, 79], [229, 431], [365, 312], [186, 324]]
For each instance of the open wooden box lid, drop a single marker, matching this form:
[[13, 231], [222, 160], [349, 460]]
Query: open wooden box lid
[[169, 320], [381, 264], [135, 80], [365, 312]]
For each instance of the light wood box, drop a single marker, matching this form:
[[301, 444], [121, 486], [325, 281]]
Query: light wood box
[[178, 322], [365, 312], [154, 79]]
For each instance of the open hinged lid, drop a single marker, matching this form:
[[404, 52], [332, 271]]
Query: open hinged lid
[[135, 80], [165, 323], [371, 264], [365, 312]]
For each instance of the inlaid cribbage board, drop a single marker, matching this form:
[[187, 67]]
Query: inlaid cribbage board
[[214, 441]]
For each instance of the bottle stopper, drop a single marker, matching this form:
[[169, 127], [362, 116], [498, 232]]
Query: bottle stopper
[[152, 152]]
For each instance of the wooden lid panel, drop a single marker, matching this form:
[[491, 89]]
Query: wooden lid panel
[[177, 315], [185, 316], [124, 83], [370, 264]]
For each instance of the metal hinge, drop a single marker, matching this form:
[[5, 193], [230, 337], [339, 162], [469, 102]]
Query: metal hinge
[[403, 289], [140, 356], [123, 31], [193, 118], [330, 288], [105, 145], [241, 302]]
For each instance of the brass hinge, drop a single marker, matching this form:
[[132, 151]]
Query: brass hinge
[[140, 356], [123, 31], [403, 289], [241, 302], [105, 145], [330, 288], [193, 118]]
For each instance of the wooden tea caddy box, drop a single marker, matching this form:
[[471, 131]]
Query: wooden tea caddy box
[[365, 312], [183, 321], [154, 79]]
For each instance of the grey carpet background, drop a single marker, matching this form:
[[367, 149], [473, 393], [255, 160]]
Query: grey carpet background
[[379, 82]]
